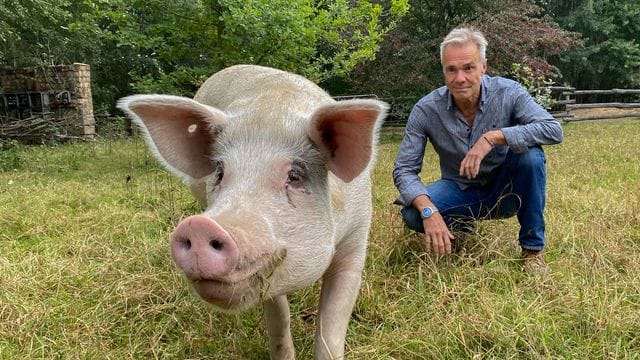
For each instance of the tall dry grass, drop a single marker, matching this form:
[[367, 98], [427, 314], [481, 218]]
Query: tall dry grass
[[85, 271]]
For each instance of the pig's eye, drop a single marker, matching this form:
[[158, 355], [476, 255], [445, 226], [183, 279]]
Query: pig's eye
[[219, 173], [295, 177]]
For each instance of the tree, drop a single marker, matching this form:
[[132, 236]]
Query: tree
[[182, 42], [520, 32], [31, 31], [41, 33], [172, 46], [611, 32]]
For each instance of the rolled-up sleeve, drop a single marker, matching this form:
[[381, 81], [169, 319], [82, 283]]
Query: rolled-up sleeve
[[533, 124], [410, 157]]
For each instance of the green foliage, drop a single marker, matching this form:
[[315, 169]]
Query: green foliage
[[41, 33], [113, 127], [10, 155], [408, 64], [522, 33], [537, 86], [171, 46], [610, 57], [26, 35], [182, 42], [183, 81]]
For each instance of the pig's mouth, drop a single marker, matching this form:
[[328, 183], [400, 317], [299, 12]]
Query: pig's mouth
[[227, 296], [239, 294]]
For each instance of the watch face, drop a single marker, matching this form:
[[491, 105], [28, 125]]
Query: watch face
[[427, 212]]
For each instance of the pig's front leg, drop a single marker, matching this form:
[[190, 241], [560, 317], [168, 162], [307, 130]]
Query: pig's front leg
[[278, 320], [340, 287]]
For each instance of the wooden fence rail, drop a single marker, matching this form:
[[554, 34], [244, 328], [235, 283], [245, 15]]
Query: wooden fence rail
[[612, 91], [569, 102]]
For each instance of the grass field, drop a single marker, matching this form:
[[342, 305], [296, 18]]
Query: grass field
[[85, 269]]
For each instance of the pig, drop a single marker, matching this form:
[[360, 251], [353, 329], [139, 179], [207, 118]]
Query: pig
[[282, 171]]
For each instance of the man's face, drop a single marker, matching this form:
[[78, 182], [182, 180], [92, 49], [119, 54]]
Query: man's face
[[463, 71]]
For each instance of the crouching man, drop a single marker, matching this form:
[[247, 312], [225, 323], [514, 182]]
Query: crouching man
[[487, 132]]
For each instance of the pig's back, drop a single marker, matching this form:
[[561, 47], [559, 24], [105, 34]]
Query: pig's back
[[242, 87]]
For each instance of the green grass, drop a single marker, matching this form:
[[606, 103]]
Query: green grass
[[85, 269]]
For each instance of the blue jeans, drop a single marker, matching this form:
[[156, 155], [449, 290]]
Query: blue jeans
[[519, 188]]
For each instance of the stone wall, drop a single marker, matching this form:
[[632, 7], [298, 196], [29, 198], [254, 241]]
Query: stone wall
[[68, 89]]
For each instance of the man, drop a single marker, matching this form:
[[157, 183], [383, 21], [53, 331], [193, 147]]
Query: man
[[487, 132]]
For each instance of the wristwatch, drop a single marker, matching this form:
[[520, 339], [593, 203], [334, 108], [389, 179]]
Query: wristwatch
[[428, 212]]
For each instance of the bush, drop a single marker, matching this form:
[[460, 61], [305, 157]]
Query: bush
[[113, 126], [537, 86], [10, 155]]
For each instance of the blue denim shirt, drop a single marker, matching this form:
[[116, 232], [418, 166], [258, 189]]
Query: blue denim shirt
[[504, 105]]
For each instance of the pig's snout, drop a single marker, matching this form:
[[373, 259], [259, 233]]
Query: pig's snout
[[203, 249]]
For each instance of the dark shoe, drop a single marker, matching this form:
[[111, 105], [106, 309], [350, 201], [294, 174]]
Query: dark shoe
[[533, 262]]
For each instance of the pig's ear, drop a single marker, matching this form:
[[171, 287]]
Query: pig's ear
[[346, 131], [179, 131]]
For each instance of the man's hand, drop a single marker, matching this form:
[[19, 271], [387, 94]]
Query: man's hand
[[436, 233], [470, 165], [437, 236]]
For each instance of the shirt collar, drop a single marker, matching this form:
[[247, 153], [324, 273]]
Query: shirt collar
[[484, 85]]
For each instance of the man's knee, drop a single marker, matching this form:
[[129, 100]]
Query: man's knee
[[532, 159], [412, 218]]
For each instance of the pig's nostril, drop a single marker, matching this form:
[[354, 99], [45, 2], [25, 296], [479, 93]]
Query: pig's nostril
[[182, 242], [217, 245]]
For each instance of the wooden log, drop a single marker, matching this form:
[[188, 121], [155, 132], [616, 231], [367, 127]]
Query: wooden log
[[562, 88], [565, 102], [612, 91], [604, 117], [602, 105]]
